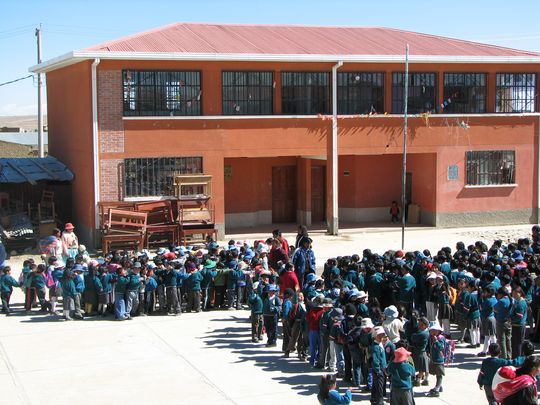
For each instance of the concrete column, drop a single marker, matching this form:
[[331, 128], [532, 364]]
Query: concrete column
[[303, 212]]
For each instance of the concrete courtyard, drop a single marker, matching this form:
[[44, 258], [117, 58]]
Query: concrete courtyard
[[204, 358]]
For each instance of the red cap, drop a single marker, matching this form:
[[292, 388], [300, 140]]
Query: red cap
[[69, 225]]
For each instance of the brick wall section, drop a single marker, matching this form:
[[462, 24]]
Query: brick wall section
[[110, 106], [111, 132], [111, 185]]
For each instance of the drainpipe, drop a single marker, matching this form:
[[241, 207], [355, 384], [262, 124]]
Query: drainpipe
[[333, 221], [95, 140]]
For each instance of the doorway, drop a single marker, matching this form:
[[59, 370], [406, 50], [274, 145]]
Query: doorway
[[283, 194], [318, 193]]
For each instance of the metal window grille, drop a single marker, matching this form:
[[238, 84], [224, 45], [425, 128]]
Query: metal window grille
[[305, 92], [360, 93], [153, 93], [516, 92], [491, 167], [247, 93], [422, 87], [154, 176], [466, 92]]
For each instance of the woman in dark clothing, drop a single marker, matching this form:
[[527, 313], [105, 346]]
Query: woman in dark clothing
[[302, 231]]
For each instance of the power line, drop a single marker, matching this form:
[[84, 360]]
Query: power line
[[16, 80]]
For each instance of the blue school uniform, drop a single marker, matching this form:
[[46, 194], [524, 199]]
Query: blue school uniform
[[7, 283], [334, 398], [502, 310], [374, 285], [486, 307], [489, 369], [406, 286], [518, 314], [401, 375]]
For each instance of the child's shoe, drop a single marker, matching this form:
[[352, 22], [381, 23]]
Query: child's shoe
[[425, 383], [433, 393]]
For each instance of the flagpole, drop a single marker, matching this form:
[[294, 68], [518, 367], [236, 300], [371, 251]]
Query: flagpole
[[404, 178]]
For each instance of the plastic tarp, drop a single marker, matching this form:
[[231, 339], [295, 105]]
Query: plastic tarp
[[32, 170]]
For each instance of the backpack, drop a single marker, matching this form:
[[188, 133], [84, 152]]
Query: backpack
[[448, 351], [453, 295]]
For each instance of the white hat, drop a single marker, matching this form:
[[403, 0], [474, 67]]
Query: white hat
[[362, 294], [379, 330], [366, 323], [432, 276], [436, 326]]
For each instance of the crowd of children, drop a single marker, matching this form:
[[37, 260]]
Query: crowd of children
[[378, 321]]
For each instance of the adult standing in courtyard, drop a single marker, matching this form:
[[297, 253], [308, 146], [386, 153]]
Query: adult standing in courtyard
[[304, 259], [70, 242]]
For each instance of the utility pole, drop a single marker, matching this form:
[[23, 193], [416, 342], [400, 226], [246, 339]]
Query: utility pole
[[41, 147], [404, 179]]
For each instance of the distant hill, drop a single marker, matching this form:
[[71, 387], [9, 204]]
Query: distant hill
[[27, 122]]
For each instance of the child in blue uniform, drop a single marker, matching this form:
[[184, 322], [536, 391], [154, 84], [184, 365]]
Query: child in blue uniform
[[271, 309], [437, 344], [378, 365], [328, 395], [489, 369], [401, 373], [256, 304], [7, 282]]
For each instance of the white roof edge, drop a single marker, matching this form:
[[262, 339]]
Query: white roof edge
[[77, 56]]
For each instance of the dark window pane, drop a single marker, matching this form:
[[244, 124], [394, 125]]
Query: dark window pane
[[464, 93], [153, 93], [422, 88], [360, 93], [146, 177], [247, 93], [490, 167], [305, 93]]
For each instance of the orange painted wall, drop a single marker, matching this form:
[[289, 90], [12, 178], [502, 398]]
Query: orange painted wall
[[424, 176], [69, 113]]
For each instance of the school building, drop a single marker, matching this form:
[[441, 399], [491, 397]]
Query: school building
[[300, 124]]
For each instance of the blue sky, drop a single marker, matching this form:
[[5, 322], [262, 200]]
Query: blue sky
[[75, 24]]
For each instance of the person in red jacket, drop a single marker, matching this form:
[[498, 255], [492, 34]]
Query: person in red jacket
[[288, 279], [313, 317], [276, 233]]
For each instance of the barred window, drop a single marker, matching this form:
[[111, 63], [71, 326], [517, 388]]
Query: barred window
[[421, 92], [516, 92], [305, 92], [146, 177], [247, 93], [360, 93], [491, 167], [153, 93], [465, 92]]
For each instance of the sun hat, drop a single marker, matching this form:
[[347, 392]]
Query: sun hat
[[362, 295], [379, 330], [401, 355], [435, 326], [69, 225], [391, 312], [327, 303], [137, 265], [366, 323], [162, 251], [209, 264], [271, 288]]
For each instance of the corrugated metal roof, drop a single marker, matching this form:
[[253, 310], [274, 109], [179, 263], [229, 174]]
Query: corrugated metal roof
[[297, 40], [31, 170]]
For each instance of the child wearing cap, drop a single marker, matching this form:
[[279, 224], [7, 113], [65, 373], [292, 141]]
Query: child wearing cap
[[401, 373], [437, 344], [378, 365], [68, 293], [271, 309], [120, 286], [365, 341], [194, 281], [324, 334], [337, 338], [328, 395], [105, 296]]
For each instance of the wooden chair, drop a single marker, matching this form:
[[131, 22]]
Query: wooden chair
[[104, 206], [124, 228], [195, 219], [160, 223]]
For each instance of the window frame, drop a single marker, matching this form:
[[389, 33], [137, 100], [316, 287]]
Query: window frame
[[148, 182], [489, 171], [322, 104], [498, 87], [410, 109], [456, 106], [349, 97], [158, 97]]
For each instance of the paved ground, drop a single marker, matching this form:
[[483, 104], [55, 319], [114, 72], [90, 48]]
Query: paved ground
[[204, 358]]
